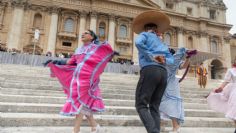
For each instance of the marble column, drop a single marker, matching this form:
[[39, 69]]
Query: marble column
[[93, 21], [135, 50], [111, 33], [180, 37], [204, 46], [82, 27], [14, 36], [227, 55], [52, 37], [2, 11]]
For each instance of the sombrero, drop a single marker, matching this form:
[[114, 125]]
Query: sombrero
[[152, 16]]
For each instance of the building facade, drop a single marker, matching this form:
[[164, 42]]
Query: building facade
[[195, 24], [233, 47]]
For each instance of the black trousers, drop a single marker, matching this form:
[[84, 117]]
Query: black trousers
[[151, 86]]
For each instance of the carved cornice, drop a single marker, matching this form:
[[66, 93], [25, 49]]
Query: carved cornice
[[190, 32], [94, 14], [54, 9], [227, 39], [20, 3], [214, 4], [180, 29], [112, 17], [202, 33], [83, 14], [38, 8], [3, 4]]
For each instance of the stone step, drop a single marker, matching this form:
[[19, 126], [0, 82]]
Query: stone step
[[34, 92], [112, 96], [108, 129], [102, 86], [61, 100], [37, 119], [110, 110]]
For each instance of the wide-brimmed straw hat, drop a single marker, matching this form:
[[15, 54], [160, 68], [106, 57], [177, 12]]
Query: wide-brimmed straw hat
[[152, 16]]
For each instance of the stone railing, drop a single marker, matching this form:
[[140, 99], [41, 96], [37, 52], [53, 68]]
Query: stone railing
[[37, 60]]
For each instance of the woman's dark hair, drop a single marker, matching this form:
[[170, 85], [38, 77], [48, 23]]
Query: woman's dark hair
[[93, 35]]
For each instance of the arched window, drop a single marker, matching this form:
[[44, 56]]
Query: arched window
[[102, 29], [69, 25], [214, 48], [190, 42], [167, 39], [37, 20], [123, 31]]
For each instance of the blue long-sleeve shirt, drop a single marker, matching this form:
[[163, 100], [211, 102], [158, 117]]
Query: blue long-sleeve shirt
[[150, 45]]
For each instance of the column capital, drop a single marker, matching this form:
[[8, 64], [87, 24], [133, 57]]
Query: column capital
[[54, 9], [83, 13], [227, 39], [3, 4], [93, 14], [180, 29], [20, 3], [202, 33], [112, 17]]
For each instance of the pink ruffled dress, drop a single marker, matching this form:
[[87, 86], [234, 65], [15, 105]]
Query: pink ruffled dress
[[80, 79], [225, 101]]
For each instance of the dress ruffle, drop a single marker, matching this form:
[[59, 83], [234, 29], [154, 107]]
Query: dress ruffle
[[80, 82]]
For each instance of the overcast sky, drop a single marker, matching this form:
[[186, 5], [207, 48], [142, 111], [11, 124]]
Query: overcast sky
[[231, 14]]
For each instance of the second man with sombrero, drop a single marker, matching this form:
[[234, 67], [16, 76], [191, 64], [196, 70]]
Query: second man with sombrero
[[153, 55]]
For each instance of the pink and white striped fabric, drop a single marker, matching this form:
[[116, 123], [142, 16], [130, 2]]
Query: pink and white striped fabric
[[80, 79]]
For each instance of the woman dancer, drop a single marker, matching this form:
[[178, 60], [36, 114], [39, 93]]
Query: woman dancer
[[171, 106], [223, 99], [79, 77]]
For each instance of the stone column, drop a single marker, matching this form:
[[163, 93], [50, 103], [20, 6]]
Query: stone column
[[180, 37], [111, 33], [204, 42], [227, 55], [14, 35], [52, 37], [82, 27], [2, 9], [135, 50], [93, 21]]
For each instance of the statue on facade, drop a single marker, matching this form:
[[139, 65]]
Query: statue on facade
[[36, 35]]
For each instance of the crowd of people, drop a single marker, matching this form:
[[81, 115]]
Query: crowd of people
[[3, 48]]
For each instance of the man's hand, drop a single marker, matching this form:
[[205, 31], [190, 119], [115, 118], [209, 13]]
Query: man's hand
[[160, 59]]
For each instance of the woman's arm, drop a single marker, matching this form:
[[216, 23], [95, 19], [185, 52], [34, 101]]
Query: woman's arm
[[71, 61], [185, 64], [226, 81]]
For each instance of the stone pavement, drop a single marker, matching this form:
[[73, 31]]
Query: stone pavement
[[30, 101]]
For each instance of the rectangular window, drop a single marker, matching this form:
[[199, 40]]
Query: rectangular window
[[189, 11], [67, 44], [169, 5], [212, 14]]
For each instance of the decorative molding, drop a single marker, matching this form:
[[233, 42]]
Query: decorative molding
[[202, 33], [93, 14], [54, 9], [180, 30], [83, 14], [112, 17], [20, 3], [227, 39], [38, 8]]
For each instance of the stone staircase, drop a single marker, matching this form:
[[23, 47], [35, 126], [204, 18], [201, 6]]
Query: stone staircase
[[30, 102]]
